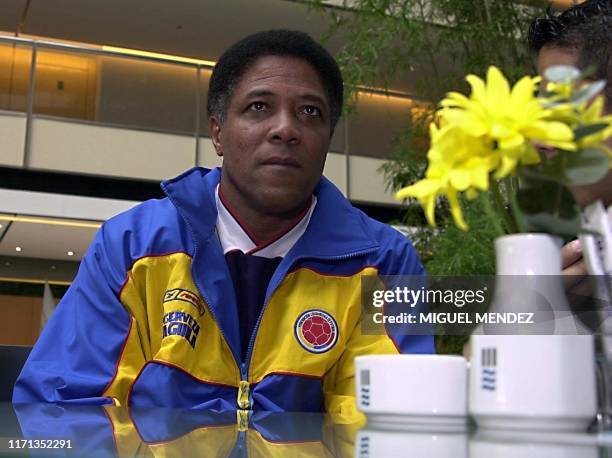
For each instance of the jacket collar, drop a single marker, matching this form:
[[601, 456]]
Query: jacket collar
[[336, 228]]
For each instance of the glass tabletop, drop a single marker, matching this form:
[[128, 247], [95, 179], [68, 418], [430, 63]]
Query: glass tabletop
[[67, 430]]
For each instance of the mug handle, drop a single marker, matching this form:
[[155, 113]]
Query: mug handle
[[604, 410]]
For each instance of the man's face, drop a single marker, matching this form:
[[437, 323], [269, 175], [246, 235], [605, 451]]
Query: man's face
[[275, 136], [584, 195]]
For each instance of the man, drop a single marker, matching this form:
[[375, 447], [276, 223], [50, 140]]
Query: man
[[582, 37], [241, 289]]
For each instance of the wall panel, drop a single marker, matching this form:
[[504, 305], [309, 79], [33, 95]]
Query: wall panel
[[99, 150], [12, 135]]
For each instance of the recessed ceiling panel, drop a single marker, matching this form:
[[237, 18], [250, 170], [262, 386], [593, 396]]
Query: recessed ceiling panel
[[46, 241], [192, 28], [10, 14], [52, 270], [201, 29]]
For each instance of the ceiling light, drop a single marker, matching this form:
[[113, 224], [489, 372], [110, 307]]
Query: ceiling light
[[17, 249], [52, 221], [70, 253], [157, 55], [38, 281]]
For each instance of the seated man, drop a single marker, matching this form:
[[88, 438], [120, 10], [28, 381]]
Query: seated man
[[241, 289], [581, 36]]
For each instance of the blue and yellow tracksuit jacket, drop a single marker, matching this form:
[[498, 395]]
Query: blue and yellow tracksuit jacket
[[151, 318]]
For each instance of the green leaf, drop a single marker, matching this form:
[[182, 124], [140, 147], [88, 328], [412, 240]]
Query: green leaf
[[569, 168], [549, 170], [585, 167], [587, 72], [541, 196], [548, 207], [589, 129], [587, 92], [550, 224], [556, 103], [546, 94]]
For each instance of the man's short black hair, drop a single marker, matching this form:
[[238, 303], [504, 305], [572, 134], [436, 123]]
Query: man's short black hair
[[238, 59], [586, 28]]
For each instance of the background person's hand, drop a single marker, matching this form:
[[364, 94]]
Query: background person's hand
[[573, 267], [571, 259]]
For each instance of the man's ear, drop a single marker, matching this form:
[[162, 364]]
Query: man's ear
[[214, 126]]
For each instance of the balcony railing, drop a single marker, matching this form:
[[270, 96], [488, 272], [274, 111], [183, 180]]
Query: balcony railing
[[92, 85]]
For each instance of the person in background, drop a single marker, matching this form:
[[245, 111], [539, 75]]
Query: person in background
[[581, 36], [241, 290]]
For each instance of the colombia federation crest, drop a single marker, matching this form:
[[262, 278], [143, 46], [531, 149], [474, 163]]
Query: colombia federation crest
[[316, 331]]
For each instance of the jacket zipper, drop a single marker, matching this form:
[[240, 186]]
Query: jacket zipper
[[240, 449], [246, 365], [197, 282], [210, 310], [244, 393]]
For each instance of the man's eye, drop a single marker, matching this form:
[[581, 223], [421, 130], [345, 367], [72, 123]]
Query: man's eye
[[257, 106], [312, 110]]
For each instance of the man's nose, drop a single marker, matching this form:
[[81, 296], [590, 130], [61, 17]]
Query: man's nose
[[285, 128]]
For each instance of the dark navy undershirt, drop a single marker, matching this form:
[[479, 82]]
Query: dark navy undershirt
[[251, 275]]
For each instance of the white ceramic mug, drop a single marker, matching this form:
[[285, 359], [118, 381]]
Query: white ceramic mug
[[531, 382], [428, 391]]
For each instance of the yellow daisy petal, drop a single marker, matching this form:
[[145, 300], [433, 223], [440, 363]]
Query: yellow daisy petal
[[478, 88], [456, 211], [498, 89], [419, 190], [429, 205], [522, 92]]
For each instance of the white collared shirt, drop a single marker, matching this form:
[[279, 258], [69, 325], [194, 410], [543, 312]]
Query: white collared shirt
[[234, 236]]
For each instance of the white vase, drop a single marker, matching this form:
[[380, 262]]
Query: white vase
[[542, 382]]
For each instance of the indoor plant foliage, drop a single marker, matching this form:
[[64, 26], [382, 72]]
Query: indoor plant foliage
[[433, 44], [509, 145]]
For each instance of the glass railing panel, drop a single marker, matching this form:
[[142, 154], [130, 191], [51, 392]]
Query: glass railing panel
[[205, 74], [65, 84], [377, 121], [337, 140], [15, 63], [153, 95], [119, 91]]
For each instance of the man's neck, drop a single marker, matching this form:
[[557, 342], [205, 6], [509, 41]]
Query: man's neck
[[260, 226]]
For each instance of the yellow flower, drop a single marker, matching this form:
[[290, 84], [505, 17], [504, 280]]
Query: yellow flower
[[489, 134], [561, 90], [427, 191], [592, 114], [509, 118], [460, 158], [491, 131], [455, 165]]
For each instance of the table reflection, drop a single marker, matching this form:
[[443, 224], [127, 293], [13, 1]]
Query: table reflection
[[161, 432], [112, 431]]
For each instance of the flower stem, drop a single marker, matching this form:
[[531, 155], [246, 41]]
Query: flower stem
[[498, 198], [512, 185], [492, 214]]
